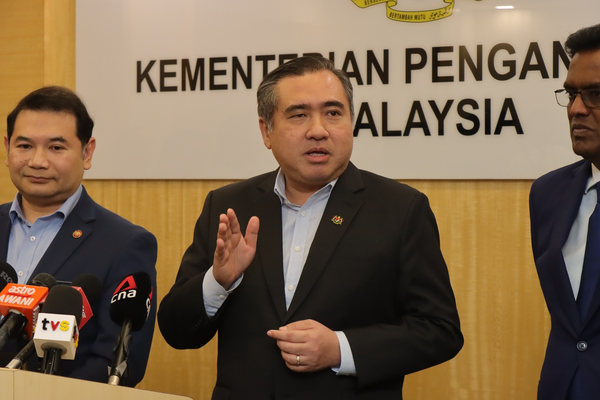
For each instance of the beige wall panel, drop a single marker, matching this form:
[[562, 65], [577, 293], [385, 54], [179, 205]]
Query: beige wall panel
[[484, 229]]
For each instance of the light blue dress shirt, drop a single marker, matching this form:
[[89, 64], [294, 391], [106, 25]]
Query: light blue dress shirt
[[574, 248], [299, 226], [28, 242]]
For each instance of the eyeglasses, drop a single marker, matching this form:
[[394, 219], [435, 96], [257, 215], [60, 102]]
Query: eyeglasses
[[565, 97]]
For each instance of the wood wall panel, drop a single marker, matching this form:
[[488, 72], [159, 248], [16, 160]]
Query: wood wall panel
[[484, 229], [169, 209], [59, 43], [21, 63]]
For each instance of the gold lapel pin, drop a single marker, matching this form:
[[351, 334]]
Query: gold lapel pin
[[77, 234], [337, 220]]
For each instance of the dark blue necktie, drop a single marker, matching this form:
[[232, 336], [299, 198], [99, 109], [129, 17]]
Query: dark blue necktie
[[589, 278], [591, 263]]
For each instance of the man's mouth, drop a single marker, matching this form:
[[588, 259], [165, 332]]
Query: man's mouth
[[37, 178], [580, 128]]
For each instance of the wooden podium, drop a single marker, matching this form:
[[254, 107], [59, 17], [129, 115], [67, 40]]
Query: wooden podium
[[26, 385]]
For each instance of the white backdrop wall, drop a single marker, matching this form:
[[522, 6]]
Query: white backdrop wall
[[469, 95]]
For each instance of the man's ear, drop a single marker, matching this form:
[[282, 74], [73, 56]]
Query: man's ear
[[6, 144], [88, 152], [266, 134]]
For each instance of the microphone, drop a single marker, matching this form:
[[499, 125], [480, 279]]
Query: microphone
[[129, 308], [56, 333], [20, 305], [7, 274], [43, 279], [90, 288]]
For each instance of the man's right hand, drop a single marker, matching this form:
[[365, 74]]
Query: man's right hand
[[234, 252]]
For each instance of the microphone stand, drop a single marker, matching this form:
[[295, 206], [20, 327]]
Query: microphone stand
[[22, 357], [119, 366], [51, 360]]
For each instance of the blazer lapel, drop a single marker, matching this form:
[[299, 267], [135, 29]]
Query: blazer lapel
[[4, 230], [343, 204], [74, 231], [569, 204], [268, 209], [572, 192]]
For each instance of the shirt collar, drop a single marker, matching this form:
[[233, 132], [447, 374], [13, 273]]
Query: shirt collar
[[63, 212], [279, 188]]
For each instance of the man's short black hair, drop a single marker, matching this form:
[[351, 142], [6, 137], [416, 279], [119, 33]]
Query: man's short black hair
[[54, 99], [267, 96], [585, 39]]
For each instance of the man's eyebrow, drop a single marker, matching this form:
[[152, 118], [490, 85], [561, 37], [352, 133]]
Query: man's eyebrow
[[334, 103], [303, 106], [296, 107], [52, 139], [22, 138], [585, 87]]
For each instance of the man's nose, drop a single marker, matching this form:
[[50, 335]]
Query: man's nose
[[39, 159], [318, 129], [578, 107]]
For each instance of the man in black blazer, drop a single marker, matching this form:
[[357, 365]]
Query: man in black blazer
[[561, 206], [343, 292], [53, 226]]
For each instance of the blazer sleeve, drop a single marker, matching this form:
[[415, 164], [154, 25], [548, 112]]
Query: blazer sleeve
[[427, 328], [138, 254]]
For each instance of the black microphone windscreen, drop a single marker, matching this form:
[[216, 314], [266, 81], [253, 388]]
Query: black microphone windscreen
[[91, 286], [131, 301], [64, 299], [7, 274], [43, 279]]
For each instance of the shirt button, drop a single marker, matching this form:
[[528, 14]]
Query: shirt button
[[297, 248], [32, 238], [20, 273], [303, 213], [291, 287], [582, 346], [221, 296]]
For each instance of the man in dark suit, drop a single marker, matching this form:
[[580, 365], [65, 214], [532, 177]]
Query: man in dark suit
[[53, 226], [565, 237], [343, 292]]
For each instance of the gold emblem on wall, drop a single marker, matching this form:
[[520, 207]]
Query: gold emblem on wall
[[409, 16]]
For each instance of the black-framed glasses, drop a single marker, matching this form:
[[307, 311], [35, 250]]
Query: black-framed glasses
[[590, 98]]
